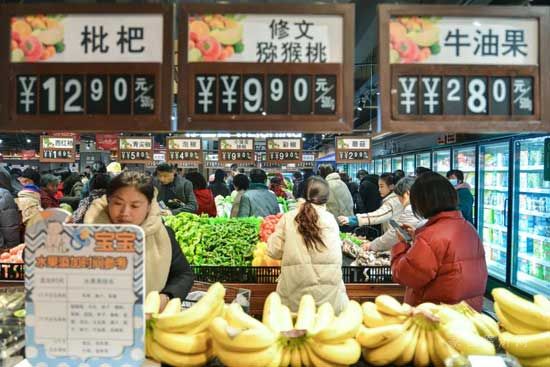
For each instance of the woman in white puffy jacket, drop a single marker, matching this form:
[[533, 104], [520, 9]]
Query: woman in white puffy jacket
[[391, 208]]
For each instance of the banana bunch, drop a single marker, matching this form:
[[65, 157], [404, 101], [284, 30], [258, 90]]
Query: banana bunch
[[484, 324], [526, 325], [181, 338], [395, 333]]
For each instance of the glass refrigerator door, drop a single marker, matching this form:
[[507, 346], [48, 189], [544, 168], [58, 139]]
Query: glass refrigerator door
[[531, 226], [408, 165], [378, 166], [424, 160], [442, 161], [387, 165], [396, 163], [464, 159], [493, 205]]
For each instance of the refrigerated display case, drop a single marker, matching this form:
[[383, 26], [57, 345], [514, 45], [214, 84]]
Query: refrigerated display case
[[442, 161], [424, 160], [387, 165], [396, 163], [494, 205], [531, 220], [408, 165], [464, 159], [378, 166]]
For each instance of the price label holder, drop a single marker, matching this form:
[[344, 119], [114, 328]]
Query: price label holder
[[84, 293]]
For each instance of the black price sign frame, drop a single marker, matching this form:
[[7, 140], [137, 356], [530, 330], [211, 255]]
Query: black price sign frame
[[10, 272], [120, 152], [269, 116], [353, 154], [492, 109], [222, 151], [296, 153], [184, 162], [71, 152], [74, 81]]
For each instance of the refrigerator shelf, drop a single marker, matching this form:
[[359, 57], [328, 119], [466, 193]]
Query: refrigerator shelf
[[533, 236], [531, 280], [533, 213], [495, 188], [534, 191], [532, 168], [495, 169], [495, 226], [495, 265], [534, 259], [494, 207], [494, 246]]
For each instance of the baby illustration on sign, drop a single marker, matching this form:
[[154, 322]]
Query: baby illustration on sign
[[54, 240]]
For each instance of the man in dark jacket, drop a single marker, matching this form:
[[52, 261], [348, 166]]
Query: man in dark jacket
[[219, 187], [10, 219], [174, 191], [258, 201], [368, 192], [297, 182]]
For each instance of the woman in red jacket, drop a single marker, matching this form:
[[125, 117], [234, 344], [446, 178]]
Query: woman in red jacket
[[445, 263], [205, 199]]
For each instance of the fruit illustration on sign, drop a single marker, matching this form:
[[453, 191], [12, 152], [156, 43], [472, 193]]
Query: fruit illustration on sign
[[36, 38], [413, 39], [214, 37]]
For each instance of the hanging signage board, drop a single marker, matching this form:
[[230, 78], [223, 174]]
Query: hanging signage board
[[353, 149], [464, 68], [239, 150], [135, 150], [283, 151], [186, 152], [88, 68], [308, 160], [85, 287], [56, 150], [106, 141], [230, 83]]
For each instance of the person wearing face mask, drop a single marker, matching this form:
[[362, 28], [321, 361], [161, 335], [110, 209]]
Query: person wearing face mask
[[391, 208], [463, 190], [131, 199], [389, 239]]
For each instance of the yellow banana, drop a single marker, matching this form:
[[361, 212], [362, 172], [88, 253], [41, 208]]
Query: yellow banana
[[434, 357], [172, 307], [542, 301], [196, 314], [148, 341], [317, 361], [325, 315], [272, 311], [276, 361], [480, 326], [237, 318], [535, 362], [373, 318], [304, 356], [375, 337], [152, 303], [513, 325], [490, 325], [344, 326], [408, 354], [459, 321], [295, 358], [421, 354], [231, 358], [345, 353], [175, 359], [183, 343], [389, 305], [526, 346], [528, 312], [443, 349], [306, 313], [466, 343], [389, 352], [241, 340], [285, 360], [205, 323], [286, 319]]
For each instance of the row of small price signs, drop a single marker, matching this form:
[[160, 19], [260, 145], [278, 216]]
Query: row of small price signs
[[189, 152]]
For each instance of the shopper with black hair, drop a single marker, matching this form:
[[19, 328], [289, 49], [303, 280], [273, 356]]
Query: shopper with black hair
[[205, 199], [368, 191], [391, 207], [420, 170], [398, 175], [297, 184], [258, 201], [174, 191], [241, 183], [219, 187], [445, 261], [465, 197], [130, 199]]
